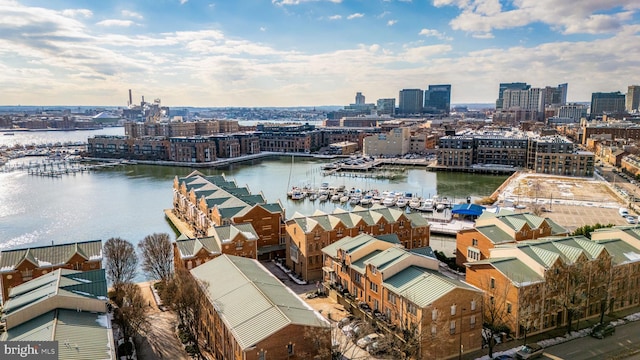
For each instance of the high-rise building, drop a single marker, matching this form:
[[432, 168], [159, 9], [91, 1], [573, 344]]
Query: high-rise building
[[633, 98], [573, 111], [359, 98], [611, 102], [386, 106], [411, 101], [437, 99], [509, 86], [555, 96]]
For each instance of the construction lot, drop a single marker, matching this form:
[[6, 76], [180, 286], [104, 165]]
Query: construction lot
[[571, 202]]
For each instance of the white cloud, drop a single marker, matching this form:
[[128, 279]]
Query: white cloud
[[115, 22], [383, 14], [85, 13], [298, 2], [433, 33], [391, 22], [263, 29], [182, 2], [355, 16], [131, 14], [567, 17], [424, 53], [335, 17]]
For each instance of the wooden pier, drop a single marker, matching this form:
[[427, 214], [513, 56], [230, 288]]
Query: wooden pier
[[57, 167]]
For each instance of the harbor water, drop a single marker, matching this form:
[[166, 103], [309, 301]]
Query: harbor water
[[127, 201]]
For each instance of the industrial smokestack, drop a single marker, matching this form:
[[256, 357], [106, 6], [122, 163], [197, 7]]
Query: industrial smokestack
[[130, 98]]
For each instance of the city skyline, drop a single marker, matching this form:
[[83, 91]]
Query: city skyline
[[309, 52]]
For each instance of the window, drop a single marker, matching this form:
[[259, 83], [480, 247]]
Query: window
[[473, 305], [262, 355], [433, 330], [374, 270], [474, 242], [508, 308], [290, 349], [493, 283], [434, 314], [472, 320], [473, 254], [391, 297], [373, 287], [453, 309], [356, 278], [452, 327], [412, 309]]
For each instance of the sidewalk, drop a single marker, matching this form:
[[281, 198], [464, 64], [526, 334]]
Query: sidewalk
[[553, 334]]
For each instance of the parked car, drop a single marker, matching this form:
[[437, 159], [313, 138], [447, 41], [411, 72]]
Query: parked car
[[345, 321], [631, 219], [602, 330], [529, 351], [367, 340], [503, 357], [353, 330]]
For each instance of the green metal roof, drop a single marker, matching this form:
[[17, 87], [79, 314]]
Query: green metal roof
[[424, 251], [620, 251], [227, 233], [359, 265], [80, 335], [65, 282], [251, 301], [515, 270], [390, 238], [422, 286], [348, 244], [387, 258], [495, 234], [52, 255]]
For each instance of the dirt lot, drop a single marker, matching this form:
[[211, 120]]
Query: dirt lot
[[571, 202]]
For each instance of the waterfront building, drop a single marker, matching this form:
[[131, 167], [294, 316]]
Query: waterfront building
[[288, 138], [307, 235], [633, 98], [237, 240], [123, 147], [137, 129], [247, 313], [514, 149], [192, 149], [607, 103], [408, 293], [386, 106], [553, 282], [203, 203], [396, 142], [505, 227], [18, 266], [66, 306], [410, 101], [437, 99]]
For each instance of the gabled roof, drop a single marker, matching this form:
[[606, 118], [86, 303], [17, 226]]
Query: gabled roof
[[51, 255], [495, 234], [227, 233], [387, 258], [360, 266], [80, 335], [620, 251], [422, 286], [190, 247], [61, 282], [424, 251], [251, 301], [569, 248], [348, 244], [513, 269]]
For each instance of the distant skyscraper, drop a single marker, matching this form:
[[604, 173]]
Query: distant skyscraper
[[359, 98], [386, 106], [437, 99], [509, 86], [633, 98], [601, 103], [573, 111], [411, 101]]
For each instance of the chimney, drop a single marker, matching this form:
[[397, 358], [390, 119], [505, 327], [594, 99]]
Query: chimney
[[130, 99]]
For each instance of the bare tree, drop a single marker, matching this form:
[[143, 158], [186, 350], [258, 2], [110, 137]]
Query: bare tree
[[496, 309], [157, 256], [121, 262], [186, 297], [569, 288], [131, 313]]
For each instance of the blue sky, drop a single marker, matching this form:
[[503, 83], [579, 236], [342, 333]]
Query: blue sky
[[309, 52]]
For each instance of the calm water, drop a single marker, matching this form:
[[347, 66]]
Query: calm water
[[128, 201]]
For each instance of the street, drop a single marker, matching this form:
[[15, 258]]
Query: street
[[624, 344]]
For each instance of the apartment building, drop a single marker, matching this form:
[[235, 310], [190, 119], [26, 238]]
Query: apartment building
[[237, 240], [552, 282], [406, 292], [204, 202], [307, 235], [502, 228], [396, 142], [18, 266], [249, 314]]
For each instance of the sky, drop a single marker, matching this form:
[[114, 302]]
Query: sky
[[255, 53]]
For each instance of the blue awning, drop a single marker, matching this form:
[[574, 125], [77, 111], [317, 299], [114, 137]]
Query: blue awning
[[468, 209]]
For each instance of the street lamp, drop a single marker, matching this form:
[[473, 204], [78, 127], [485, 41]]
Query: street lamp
[[460, 336]]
